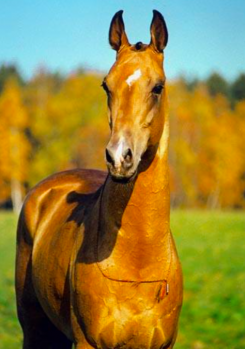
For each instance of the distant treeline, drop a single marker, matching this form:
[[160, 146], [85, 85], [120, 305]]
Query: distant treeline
[[216, 84], [53, 122]]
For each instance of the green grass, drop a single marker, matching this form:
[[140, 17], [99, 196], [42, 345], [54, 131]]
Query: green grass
[[10, 335], [212, 250], [211, 246]]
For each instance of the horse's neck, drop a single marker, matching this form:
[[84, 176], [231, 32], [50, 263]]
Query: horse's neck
[[135, 217]]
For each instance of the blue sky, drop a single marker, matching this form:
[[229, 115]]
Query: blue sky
[[205, 35]]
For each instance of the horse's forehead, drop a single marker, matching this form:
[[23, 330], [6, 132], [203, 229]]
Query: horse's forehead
[[136, 64]]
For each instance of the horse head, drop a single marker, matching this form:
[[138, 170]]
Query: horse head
[[135, 88]]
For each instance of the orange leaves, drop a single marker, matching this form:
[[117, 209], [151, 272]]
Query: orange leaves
[[206, 151], [68, 124], [14, 145], [55, 123]]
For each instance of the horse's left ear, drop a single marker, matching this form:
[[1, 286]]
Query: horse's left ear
[[117, 35], [159, 32]]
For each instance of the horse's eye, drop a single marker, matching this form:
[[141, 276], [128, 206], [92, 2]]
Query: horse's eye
[[105, 87], [157, 89]]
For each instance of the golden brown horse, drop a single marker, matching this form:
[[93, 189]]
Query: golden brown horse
[[96, 262]]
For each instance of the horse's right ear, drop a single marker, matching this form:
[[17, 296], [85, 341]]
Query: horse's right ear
[[117, 35]]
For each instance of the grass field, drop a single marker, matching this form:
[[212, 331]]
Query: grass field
[[212, 250]]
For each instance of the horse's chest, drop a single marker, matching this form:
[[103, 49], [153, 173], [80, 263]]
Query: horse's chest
[[120, 314]]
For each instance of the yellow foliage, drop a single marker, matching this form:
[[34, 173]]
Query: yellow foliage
[[63, 124], [206, 152], [14, 145]]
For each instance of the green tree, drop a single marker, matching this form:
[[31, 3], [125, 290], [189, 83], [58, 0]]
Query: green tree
[[216, 84], [238, 88], [8, 72]]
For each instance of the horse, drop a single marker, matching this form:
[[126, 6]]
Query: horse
[[96, 262]]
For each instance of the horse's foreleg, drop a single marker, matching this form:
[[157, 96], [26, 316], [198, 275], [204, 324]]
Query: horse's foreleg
[[38, 330]]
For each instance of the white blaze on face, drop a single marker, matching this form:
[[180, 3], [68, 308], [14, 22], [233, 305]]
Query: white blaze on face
[[118, 154], [135, 76]]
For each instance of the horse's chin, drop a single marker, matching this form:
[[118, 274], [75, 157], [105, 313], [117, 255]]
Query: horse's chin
[[123, 178]]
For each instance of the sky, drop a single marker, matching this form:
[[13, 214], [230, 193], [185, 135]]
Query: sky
[[204, 35]]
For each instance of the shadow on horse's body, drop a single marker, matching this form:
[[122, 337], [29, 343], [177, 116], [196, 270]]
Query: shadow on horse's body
[[96, 262]]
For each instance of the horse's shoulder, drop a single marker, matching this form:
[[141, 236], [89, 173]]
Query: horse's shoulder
[[57, 193]]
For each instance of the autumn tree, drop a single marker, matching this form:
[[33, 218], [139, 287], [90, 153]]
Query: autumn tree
[[14, 145], [206, 151], [66, 123], [54, 123]]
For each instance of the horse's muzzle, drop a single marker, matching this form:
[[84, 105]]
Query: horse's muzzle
[[120, 161]]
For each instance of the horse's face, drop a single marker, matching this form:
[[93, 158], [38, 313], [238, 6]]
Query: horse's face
[[136, 95]]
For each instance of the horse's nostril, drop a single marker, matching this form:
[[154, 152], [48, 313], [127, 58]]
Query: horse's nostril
[[128, 155], [109, 157]]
